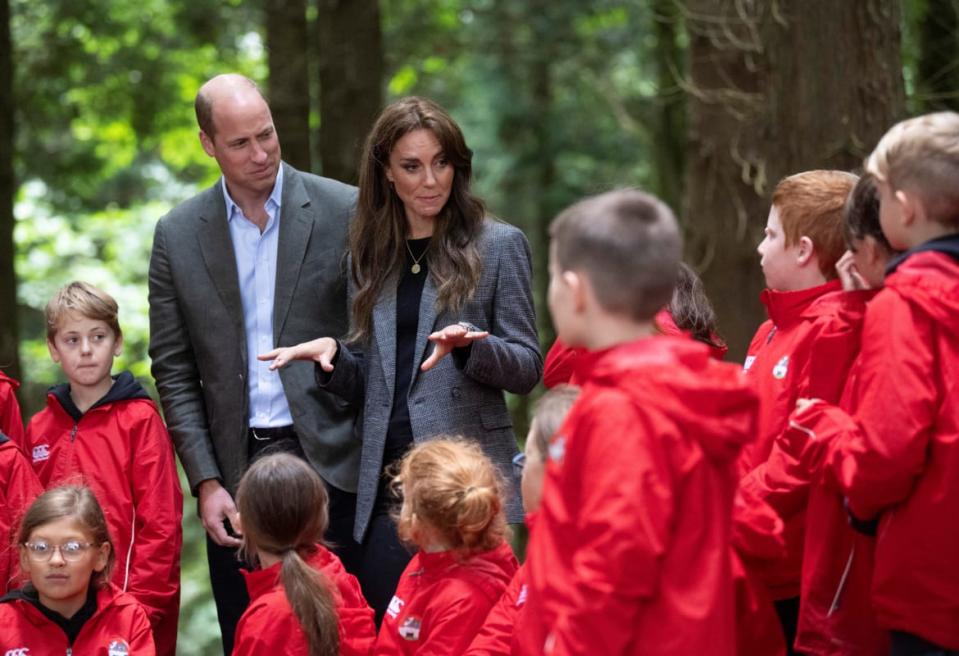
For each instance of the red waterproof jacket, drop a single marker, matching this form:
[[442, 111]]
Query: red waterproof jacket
[[268, 626], [631, 549], [441, 601], [560, 364], [757, 544], [805, 327], [121, 449], [18, 488], [496, 636], [11, 423], [119, 626], [900, 458]]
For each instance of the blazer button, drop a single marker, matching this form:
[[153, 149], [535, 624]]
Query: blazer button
[[456, 392]]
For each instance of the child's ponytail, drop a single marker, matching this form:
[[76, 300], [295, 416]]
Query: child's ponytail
[[312, 601], [283, 511]]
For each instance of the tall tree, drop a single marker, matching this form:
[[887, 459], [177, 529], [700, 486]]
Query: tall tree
[[9, 356], [287, 45], [938, 74], [351, 81], [776, 88]]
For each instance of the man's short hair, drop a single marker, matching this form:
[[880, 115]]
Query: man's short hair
[[810, 204], [921, 155], [627, 243], [84, 299], [203, 106]]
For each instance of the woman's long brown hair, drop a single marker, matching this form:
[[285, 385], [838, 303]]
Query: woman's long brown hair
[[379, 229], [283, 508]]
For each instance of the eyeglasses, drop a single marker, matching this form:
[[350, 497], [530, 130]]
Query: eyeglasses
[[70, 551], [519, 461]]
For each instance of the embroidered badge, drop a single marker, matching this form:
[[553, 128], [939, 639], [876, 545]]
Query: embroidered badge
[[19, 651], [781, 368], [410, 629], [749, 362], [118, 648], [41, 452], [557, 449], [396, 605]]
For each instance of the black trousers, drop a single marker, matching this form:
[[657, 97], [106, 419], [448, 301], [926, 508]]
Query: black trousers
[[788, 612], [382, 561], [907, 644], [229, 587]]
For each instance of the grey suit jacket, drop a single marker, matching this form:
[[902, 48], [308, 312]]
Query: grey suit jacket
[[198, 341], [452, 398]]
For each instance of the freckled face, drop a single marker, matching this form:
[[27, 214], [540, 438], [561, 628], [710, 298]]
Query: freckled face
[[421, 175]]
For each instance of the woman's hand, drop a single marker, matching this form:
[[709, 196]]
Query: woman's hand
[[451, 337], [321, 350]]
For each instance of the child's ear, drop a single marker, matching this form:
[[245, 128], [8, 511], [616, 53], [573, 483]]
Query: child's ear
[[577, 288], [103, 555], [910, 204], [118, 346], [806, 251], [54, 353], [24, 559]]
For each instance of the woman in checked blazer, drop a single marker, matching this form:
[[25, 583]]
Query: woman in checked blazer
[[442, 321]]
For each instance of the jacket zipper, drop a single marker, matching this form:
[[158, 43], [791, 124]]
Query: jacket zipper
[[73, 433], [842, 584]]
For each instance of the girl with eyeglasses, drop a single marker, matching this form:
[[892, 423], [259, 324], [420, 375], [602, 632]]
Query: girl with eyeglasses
[[69, 606]]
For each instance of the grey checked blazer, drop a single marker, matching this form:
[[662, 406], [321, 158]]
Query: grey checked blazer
[[447, 399], [198, 341]]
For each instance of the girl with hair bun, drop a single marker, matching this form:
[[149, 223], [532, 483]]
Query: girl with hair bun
[[302, 601], [452, 513], [69, 605]]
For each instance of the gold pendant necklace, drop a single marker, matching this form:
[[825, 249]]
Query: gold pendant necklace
[[416, 268]]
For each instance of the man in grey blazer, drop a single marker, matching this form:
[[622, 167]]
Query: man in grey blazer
[[252, 263]]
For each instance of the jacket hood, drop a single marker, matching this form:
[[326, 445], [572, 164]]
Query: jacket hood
[[785, 308], [711, 400], [928, 277], [125, 388], [261, 581], [488, 570]]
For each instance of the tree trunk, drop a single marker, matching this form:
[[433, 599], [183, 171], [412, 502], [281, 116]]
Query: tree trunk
[[670, 133], [351, 81], [287, 46], [9, 356], [775, 88]]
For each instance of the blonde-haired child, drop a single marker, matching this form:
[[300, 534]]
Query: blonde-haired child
[[453, 513]]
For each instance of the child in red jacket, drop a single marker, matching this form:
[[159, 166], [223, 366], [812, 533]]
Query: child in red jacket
[[106, 432], [631, 550], [18, 488], [803, 241], [453, 513], [899, 450], [302, 601], [497, 636], [69, 606], [689, 313], [11, 423]]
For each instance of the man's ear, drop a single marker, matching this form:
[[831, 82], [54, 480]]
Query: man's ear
[[807, 250], [207, 143]]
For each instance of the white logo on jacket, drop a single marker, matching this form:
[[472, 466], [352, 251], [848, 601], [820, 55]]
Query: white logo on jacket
[[19, 651], [749, 362], [521, 597], [41, 452], [410, 629], [781, 368], [118, 648], [396, 605], [557, 449]]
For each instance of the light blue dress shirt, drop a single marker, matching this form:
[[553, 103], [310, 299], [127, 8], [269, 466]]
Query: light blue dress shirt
[[256, 265]]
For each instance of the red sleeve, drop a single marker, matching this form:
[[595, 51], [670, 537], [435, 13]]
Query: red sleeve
[[265, 629], [895, 404], [560, 364], [141, 635], [18, 488], [158, 507], [782, 482], [11, 422], [357, 630], [457, 618], [624, 518], [496, 636]]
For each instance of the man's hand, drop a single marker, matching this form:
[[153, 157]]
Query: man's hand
[[449, 338], [320, 350], [216, 504]]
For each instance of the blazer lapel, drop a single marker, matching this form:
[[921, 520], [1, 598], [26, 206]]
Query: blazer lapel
[[216, 245], [424, 326], [384, 327], [296, 226]]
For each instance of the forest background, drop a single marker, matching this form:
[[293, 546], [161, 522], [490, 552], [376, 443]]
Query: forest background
[[707, 103]]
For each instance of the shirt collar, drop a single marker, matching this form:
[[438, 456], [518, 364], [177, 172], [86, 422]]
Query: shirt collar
[[276, 196]]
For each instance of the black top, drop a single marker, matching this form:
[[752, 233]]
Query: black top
[[71, 625]]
